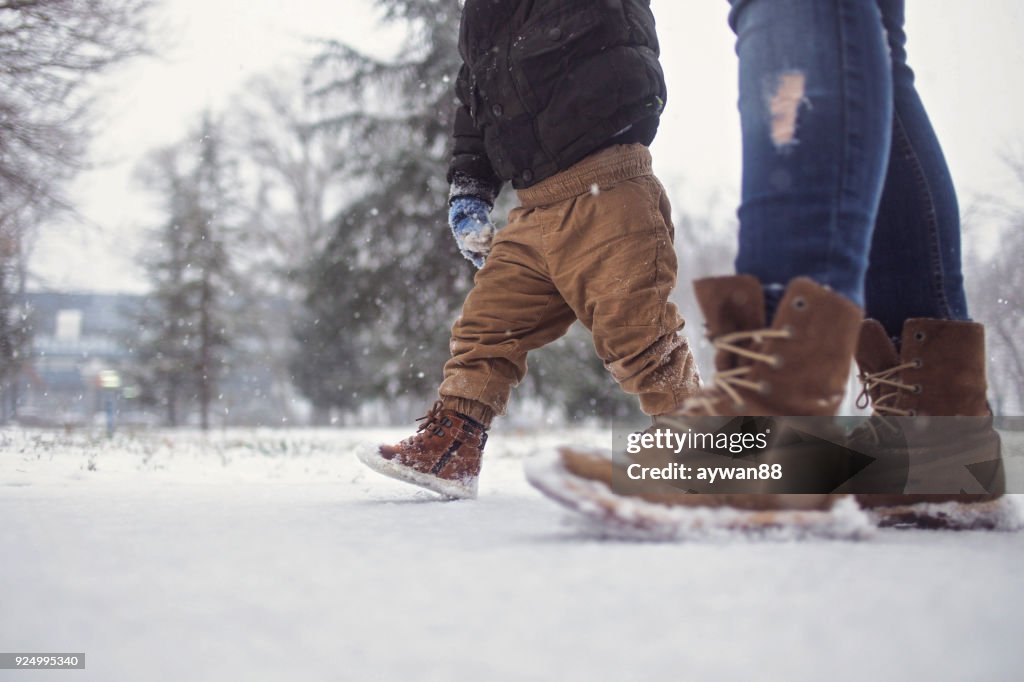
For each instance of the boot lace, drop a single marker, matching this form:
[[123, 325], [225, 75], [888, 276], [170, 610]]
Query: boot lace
[[429, 421], [730, 381], [883, 407]]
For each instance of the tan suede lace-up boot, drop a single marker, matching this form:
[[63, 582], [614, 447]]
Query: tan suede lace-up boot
[[939, 460], [797, 366]]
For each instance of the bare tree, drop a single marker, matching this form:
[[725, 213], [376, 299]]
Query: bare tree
[[297, 166], [994, 251], [293, 171], [50, 52]]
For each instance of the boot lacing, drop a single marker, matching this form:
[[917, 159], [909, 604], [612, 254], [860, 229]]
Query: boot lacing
[[881, 408], [429, 420], [872, 380], [730, 381]]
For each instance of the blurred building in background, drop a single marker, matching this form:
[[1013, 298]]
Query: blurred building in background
[[81, 366], [78, 351]]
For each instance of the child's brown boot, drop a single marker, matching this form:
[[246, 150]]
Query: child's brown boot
[[443, 455]]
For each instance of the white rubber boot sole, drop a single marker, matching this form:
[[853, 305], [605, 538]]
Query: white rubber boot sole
[[456, 490]]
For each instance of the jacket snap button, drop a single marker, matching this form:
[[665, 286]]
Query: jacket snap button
[[555, 33], [527, 175], [497, 110]]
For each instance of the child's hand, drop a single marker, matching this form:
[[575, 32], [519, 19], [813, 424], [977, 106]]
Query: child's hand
[[470, 220]]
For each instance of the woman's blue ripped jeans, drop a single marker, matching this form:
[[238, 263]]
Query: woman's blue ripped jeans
[[844, 180]]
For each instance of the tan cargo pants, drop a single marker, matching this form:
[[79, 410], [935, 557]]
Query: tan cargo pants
[[593, 243]]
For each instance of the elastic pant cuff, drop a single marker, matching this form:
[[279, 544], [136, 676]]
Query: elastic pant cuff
[[470, 408]]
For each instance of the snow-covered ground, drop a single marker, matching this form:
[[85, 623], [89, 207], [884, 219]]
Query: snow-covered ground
[[275, 556]]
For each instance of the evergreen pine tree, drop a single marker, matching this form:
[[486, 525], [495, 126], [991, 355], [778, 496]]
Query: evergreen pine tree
[[185, 323], [384, 292]]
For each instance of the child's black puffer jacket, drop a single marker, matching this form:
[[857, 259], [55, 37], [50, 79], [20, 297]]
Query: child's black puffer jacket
[[545, 83]]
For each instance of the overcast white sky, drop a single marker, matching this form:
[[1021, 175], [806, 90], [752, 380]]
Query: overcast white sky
[[968, 56]]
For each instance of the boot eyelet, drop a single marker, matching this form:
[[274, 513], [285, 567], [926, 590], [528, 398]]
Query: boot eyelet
[[776, 362], [919, 336], [917, 389], [912, 413], [764, 388], [918, 363], [799, 303], [788, 329]]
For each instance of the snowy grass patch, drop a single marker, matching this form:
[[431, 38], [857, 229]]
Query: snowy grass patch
[[39, 457]]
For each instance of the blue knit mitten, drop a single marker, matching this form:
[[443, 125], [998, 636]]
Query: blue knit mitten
[[470, 220]]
